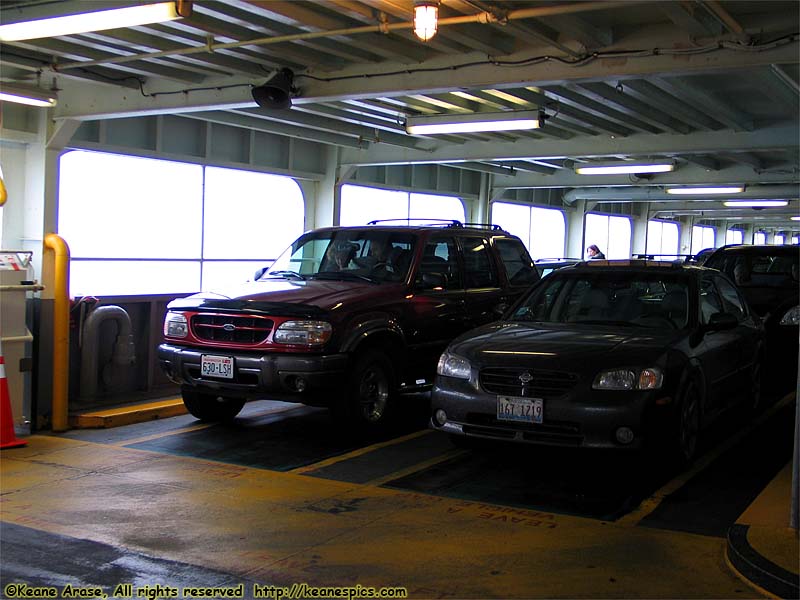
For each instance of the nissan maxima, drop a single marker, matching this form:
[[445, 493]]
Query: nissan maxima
[[606, 354]]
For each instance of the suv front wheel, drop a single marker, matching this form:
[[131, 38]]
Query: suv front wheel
[[210, 407], [367, 402]]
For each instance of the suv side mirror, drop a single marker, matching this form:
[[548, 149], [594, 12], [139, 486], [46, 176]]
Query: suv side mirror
[[432, 281], [720, 321]]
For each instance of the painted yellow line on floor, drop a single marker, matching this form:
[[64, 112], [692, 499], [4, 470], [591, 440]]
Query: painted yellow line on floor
[[417, 467], [195, 427], [333, 460], [650, 504]]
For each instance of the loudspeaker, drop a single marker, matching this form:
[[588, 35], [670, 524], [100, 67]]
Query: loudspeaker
[[275, 93]]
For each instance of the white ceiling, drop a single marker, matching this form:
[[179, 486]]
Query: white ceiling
[[714, 85]]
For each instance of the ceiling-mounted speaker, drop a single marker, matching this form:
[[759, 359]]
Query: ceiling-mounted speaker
[[276, 92]]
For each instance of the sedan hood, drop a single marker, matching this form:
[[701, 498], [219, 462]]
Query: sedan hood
[[290, 297], [512, 344]]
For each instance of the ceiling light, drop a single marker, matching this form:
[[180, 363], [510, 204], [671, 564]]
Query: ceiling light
[[95, 21], [474, 122], [756, 203], [23, 94], [621, 168], [795, 218], [426, 18], [695, 191]]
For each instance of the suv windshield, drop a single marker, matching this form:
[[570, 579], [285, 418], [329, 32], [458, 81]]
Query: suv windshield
[[347, 254], [636, 299]]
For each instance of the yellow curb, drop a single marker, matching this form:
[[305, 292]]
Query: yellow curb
[[127, 415]]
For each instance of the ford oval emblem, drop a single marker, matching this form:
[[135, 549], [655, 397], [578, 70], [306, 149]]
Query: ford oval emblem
[[229, 327], [525, 378]]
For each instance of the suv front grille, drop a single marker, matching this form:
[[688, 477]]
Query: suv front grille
[[506, 381], [235, 329]]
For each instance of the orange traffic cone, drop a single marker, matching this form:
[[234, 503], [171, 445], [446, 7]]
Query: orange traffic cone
[[7, 437]]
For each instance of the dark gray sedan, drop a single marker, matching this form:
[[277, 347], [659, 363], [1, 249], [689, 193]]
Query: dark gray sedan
[[606, 354]]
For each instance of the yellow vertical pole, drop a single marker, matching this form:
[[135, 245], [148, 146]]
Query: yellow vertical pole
[[60, 253]]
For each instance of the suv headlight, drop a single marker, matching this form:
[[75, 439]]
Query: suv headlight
[[629, 379], [451, 365], [176, 325], [791, 316], [306, 333]]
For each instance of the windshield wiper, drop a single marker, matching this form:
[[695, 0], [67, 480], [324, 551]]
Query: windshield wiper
[[344, 275], [286, 274], [605, 322]]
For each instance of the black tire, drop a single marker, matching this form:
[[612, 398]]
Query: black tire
[[211, 407], [371, 383], [687, 428]]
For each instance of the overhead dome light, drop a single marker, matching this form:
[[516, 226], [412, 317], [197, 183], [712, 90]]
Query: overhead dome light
[[695, 191], [426, 19], [623, 168], [756, 203]]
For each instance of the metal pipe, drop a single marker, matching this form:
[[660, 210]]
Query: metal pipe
[[33, 287], [123, 353], [60, 251], [481, 17]]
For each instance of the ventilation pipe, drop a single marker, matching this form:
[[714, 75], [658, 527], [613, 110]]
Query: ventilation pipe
[[122, 355], [657, 194]]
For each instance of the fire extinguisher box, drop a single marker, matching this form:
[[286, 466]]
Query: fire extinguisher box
[[16, 284]]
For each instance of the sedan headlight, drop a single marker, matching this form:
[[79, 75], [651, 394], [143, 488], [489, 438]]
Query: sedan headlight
[[306, 333], [176, 325], [791, 316], [451, 365], [629, 379]]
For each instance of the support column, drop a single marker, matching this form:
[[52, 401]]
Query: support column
[[327, 196], [685, 235], [639, 237], [575, 242], [747, 235], [720, 234], [478, 210]]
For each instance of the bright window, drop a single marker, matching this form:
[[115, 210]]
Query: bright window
[[702, 237], [542, 229], [360, 205], [795, 239], [734, 236], [662, 240], [611, 234], [171, 232], [760, 237], [778, 240]]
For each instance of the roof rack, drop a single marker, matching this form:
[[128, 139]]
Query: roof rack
[[449, 223], [441, 222]]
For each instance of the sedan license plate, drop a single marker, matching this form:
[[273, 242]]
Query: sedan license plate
[[520, 410], [216, 366]]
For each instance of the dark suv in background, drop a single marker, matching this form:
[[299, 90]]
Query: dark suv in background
[[347, 317], [767, 277]]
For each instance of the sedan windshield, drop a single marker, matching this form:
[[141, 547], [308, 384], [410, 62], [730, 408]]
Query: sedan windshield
[[348, 255], [608, 298]]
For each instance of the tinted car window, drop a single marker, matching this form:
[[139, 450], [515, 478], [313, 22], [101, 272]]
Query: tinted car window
[[653, 301], [748, 269], [517, 262], [440, 257], [730, 299], [478, 269], [710, 301]]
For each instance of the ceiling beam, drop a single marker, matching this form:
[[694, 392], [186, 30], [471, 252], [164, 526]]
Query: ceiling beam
[[365, 81], [767, 139]]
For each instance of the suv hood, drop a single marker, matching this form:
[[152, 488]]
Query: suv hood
[[565, 345], [283, 296]]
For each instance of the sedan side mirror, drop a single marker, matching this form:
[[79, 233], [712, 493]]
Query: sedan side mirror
[[721, 321], [432, 281]]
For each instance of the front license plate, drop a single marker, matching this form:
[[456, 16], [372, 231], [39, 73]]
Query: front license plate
[[216, 366], [520, 410]]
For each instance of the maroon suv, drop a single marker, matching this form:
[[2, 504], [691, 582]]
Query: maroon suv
[[347, 317]]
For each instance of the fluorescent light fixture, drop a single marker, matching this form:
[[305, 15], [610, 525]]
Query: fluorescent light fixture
[[695, 191], [756, 203], [795, 218], [473, 122], [94, 21], [23, 94], [622, 168], [426, 19]]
